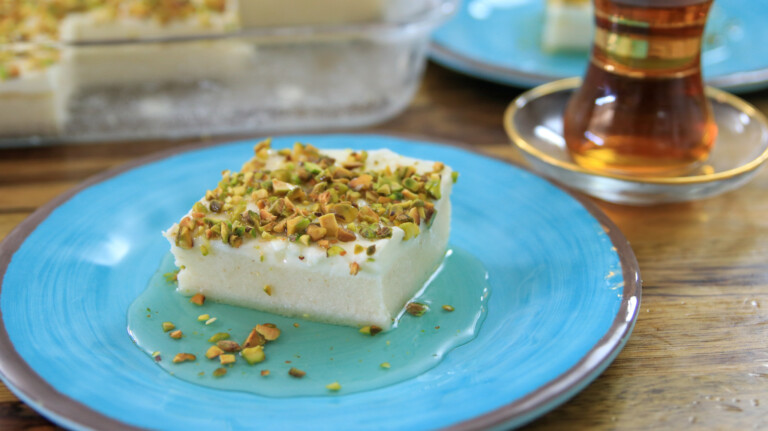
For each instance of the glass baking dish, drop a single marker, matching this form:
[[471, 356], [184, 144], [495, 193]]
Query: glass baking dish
[[251, 80]]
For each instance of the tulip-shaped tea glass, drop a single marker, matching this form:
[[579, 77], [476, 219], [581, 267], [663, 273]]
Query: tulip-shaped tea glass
[[641, 109]]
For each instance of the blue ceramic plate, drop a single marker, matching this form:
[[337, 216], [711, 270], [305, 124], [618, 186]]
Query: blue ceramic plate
[[564, 298], [500, 40]]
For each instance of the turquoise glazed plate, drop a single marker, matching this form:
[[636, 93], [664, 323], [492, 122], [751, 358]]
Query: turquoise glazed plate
[[500, 40], [564, 295]]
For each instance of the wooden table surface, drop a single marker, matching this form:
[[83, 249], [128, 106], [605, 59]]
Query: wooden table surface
[[698, 356]]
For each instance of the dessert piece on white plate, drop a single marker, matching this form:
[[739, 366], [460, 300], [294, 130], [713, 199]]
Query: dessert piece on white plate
[[335, 236], [568, 26]]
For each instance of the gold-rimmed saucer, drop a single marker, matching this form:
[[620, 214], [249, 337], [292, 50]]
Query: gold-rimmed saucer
[[533, 122]]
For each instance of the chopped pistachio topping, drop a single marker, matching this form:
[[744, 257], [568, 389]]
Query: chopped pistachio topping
[[335, 386], [219, 372], [254, 339], [171, 276], [416, 309], [168, 326], [197, 299], [335, 251], [354, 268], [411, 230], [253, 355], [269, 331], [218, 337], [370, 330], [312, 199], [385, 365], [268, 290], [228, 345], [176, 334], [295, 372], [359, 249], [227, 358], [213, 352], [183, 357], [203, 317], [448, 308]]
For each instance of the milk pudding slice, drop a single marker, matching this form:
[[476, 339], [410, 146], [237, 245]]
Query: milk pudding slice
[[334, 236], [27, 96], [40, 69], [26, 93], [568, 26], [102, 65]]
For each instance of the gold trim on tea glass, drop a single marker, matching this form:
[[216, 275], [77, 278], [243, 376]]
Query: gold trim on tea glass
[[627, 68], [665, 48], [573, 83], [622, 20]]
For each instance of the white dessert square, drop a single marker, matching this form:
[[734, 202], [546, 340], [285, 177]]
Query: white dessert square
[[149, 63], [36, 86], [568, 25], [27, 107], [27, 98], [335, 236], [89, 67]]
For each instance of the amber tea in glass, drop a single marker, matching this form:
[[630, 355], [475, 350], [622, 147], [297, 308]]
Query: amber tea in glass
[[641, 109]]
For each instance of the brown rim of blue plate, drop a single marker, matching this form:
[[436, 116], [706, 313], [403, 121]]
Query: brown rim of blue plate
[[41, 396]]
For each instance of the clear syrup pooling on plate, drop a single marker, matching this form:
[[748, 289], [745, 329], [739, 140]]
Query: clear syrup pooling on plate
[[326, 353]]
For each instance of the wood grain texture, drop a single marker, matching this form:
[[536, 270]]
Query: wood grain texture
[[697, 358]]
